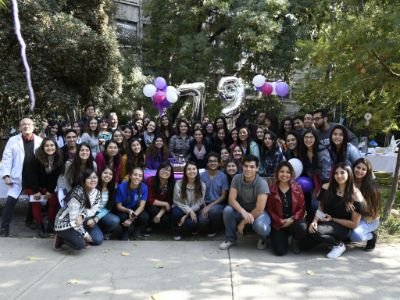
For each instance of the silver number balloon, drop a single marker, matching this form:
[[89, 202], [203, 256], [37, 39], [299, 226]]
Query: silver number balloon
[[232, 90], [197, 93]]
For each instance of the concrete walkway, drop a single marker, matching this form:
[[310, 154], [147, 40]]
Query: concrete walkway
[[30, 269]]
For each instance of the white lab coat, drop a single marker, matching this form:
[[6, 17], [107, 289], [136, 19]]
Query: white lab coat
[[13, 161]]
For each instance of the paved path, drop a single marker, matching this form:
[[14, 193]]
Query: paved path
[[30, 269]]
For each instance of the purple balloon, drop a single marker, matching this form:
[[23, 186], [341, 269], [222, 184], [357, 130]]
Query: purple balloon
[[282, 89], [160, 83], [306, 184]]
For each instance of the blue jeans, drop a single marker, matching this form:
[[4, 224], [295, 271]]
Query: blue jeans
[[261, 224], [214, 218], [363, 232], [189, 225], [109, 222]]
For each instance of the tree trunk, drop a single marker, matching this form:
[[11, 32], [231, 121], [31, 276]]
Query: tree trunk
[[392, 198]]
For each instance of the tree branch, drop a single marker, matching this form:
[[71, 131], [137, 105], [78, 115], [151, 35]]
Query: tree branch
[[216, 34], [385, 65]]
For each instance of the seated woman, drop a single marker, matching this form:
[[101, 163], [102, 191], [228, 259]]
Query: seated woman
[[188, 200], [271, 155], [285, 206], [131, 200], [73, 170], [293, 145], [106, 220], [74, 222], [110, 157], [370, 216], [157, 153], [339, 211], [135, 157], [198, 149], [161, 191], [225, 155], [180, 142], [47, 168]]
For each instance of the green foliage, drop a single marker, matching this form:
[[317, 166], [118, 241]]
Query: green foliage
[[353, 62], [73, 55], [201, 41]]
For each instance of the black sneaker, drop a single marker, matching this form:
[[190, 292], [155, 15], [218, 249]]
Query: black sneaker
[[371, 243]]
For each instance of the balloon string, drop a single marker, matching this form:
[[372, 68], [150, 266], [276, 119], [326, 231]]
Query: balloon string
[[23, 52]]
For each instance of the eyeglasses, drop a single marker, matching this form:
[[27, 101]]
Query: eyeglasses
[[165, 171], [213, 161]]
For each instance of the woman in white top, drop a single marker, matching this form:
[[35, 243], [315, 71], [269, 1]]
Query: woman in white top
[[74, 222], [91, 136], [188, 201]]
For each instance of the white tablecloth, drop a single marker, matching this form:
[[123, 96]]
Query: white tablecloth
[[383, 162]]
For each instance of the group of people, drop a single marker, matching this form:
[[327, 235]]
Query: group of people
[[90, 177]]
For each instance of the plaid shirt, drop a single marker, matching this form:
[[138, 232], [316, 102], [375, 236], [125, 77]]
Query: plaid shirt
[[269, 163]]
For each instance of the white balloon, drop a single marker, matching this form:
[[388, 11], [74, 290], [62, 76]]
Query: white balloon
[[297, 166], [149, 90], [172, 89], [259, 80], [172, 97]]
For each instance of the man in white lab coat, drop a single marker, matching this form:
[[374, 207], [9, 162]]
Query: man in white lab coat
[[18, 157]]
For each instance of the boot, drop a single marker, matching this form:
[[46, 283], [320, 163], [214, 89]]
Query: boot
[[42, 233], [371, 243]]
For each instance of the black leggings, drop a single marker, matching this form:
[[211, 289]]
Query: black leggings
[[330, 233], [279, 238], [140, 223]]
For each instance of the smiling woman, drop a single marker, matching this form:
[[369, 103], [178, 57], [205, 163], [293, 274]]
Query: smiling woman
[[339, 211]]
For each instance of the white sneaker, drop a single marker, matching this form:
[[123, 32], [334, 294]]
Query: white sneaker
[[211, 235], [177, 237], [336, 251], [226, 245], [261, 244]]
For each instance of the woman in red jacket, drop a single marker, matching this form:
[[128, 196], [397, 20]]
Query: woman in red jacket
[[285, 206]]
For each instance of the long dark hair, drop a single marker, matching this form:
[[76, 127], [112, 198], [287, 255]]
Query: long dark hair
[[116, 158], [153, 152], [75, 170], [295, 152], [85, 175], [134, 160], [303, 150], [89, 131], [170, 184], [282, 131], [122, 146], [339, 154], [110, 188], [348, 190], [369, 188], [198, 191], [43, 158], [269, 153]]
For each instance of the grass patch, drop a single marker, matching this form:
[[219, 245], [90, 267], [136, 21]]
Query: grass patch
[[389, 231]]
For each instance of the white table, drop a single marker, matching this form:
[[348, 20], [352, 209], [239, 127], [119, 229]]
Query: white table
[[383, 162]]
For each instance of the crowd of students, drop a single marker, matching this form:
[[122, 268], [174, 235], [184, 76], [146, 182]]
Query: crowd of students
[[91, 175]]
